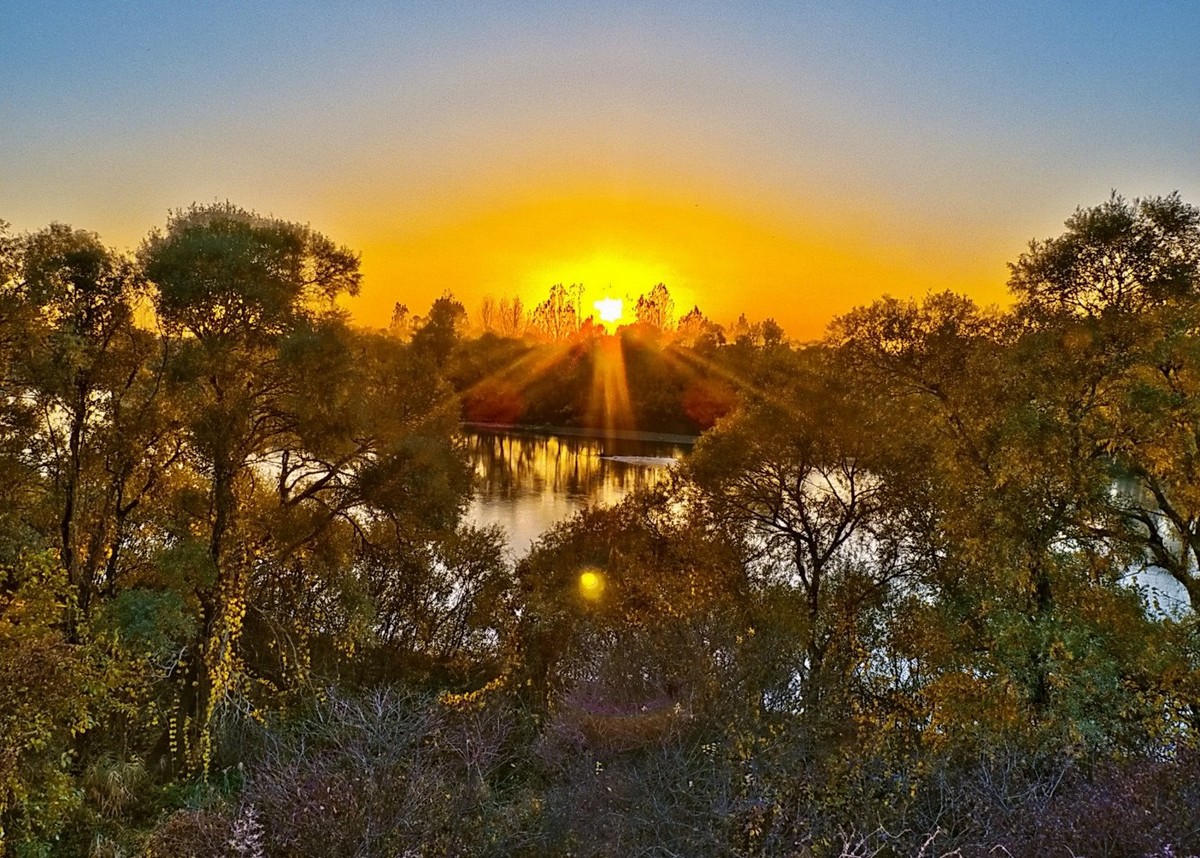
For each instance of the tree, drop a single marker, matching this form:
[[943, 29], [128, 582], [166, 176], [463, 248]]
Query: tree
[[227, 274], [20, 332], [557, 318], [48, 695], [771, 333], [488, 310], [438, 600], [1118, 294], [83, 375], [623, 607], [992, 427], [510, 321], [1149, 433], [796, 478], [697, 331], [1119, 257], [440, 331], [655, 308], [236, 288], [400, 325]]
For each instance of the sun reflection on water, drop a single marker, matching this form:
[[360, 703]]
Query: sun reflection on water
[[527, 483]]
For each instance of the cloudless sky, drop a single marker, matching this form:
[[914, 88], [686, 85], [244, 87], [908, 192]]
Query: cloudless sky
[[782, 159]]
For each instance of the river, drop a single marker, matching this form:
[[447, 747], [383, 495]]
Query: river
[[527, 482]]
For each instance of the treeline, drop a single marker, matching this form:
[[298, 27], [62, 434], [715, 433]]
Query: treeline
[[896, 602], [554, 366]]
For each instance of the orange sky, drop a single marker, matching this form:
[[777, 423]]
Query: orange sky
[[726, 258]]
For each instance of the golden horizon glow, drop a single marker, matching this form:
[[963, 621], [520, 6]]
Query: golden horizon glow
[[611, 310], [708, 252], [610, 278]]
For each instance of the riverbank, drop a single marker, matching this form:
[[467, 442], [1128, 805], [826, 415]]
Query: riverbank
[[570, 431]]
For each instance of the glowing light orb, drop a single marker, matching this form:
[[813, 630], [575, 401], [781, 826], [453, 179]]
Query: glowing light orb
[[610, 309], [591, 584]]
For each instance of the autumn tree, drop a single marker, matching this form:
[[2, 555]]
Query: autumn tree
[[401, 322], [20, 329], [86, 386], [1120, 257], [995, 428], [616, 605], [363, 566], [236, 289], [441, 330], [795, 476], [1119, 294], [48, 696], [98, 379], [697, 331], [510, 317]]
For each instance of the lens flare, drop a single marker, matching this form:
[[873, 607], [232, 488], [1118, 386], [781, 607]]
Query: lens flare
[[591, 584], [609, 405]]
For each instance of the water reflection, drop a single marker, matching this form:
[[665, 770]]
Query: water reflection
[[527, 483]]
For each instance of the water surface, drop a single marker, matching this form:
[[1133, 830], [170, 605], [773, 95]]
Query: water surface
[[527, 482]]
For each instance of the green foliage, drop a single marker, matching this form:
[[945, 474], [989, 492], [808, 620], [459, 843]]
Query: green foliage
[[48, 688], [154, 622], [186, 566], [223, 271], [1119, 257]]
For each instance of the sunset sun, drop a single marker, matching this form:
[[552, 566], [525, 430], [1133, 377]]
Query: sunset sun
[[609, 309], [608, 279]]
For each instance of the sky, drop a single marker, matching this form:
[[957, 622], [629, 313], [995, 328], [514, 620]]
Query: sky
[[789, 160]]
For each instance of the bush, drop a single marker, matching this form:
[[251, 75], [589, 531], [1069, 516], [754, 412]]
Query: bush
[[391, 773]]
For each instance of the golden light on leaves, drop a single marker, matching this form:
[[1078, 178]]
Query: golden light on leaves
[[591, 584], [610, 309]]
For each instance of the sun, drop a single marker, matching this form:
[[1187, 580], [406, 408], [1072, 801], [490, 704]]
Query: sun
[[608, 279], [610, 309]]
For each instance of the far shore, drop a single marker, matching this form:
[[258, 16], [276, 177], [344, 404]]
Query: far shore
[[617, 434]]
